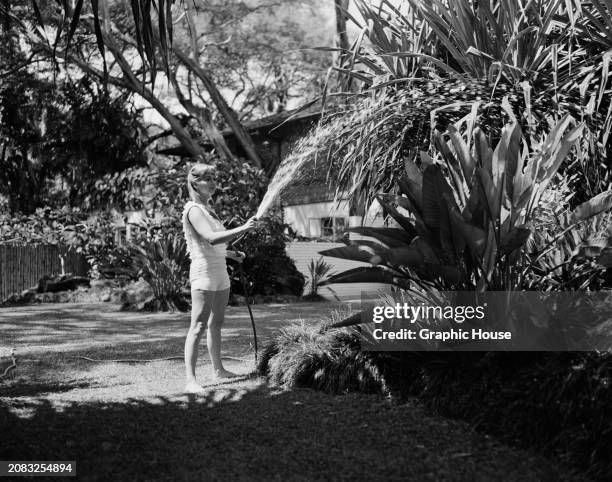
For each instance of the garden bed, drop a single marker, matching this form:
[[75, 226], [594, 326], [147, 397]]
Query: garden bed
[[557, 403]]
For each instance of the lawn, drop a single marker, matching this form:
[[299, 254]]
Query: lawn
[[130, 421]]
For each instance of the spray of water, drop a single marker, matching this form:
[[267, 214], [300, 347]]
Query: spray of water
[[289, 169]]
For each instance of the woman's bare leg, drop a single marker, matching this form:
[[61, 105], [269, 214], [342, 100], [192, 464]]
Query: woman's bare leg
[[213, 338], [201, 307]]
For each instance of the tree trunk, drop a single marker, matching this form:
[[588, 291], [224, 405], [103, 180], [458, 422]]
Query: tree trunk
[[226, 111], [202, 114], [341, 41]]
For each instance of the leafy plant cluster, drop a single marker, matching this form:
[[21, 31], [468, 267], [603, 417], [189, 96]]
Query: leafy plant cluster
[[421, 65], [268, 268], [59, 139], [92, 235], [164, 264], [465, 217]]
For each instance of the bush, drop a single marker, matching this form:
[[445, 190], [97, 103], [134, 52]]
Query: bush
[[267, 267], [328, 360], [318, 271]]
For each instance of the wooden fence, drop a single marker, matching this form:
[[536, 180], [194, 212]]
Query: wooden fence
[[22, 266]]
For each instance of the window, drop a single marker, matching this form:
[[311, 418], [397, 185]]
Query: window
[[332, 228]]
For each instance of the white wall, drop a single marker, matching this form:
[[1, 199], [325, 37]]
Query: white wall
[[302, 252], [298, 216]]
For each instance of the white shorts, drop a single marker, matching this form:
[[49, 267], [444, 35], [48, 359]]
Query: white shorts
[[212, 283]]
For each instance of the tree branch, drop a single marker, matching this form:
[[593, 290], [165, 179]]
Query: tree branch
[[202, 114]]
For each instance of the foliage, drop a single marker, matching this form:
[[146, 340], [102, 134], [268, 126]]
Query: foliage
[[367, 141], [552, 51], [578, 254], [44, 226], [265, 64], [125, 189], [164, 264], [329, 360], [267, 267], [243, 41], [469, 215], [318, 271], [99, 136], [25, 105], [94, 236], [57, 140]]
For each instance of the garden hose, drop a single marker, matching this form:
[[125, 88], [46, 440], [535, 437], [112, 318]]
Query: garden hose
[[246, 297], [13, 365]]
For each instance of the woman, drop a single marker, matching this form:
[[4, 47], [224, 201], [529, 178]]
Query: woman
[[210, 285]]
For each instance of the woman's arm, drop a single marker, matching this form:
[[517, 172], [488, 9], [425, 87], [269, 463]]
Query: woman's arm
[[203, 228]]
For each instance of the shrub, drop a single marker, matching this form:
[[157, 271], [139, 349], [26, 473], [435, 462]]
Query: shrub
[[328, 360], [267, 267], [554, 55], [164, 264]]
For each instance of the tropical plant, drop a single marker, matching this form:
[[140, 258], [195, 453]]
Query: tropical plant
[[573, 251], [466, 218], [553, 53], [367, 142], [318, 271], [515, 40], [164, 264]]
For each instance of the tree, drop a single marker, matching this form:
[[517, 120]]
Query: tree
[[193, 60], [56, 135]]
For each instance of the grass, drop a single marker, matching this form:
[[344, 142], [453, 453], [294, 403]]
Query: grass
[[129, 421]]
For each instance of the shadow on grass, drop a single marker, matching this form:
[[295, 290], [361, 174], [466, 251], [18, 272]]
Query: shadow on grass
[[37, 388], [231, 433]]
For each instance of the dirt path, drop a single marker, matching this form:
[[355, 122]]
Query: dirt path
[[131, 422]]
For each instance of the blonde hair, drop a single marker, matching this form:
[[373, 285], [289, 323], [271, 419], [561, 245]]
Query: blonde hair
[[194, 175]]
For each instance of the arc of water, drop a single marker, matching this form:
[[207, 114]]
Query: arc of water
[[290, 166]]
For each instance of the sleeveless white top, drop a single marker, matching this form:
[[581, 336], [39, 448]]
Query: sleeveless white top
[[207, 260]]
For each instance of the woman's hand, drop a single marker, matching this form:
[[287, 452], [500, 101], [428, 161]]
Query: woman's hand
[[250, 224]]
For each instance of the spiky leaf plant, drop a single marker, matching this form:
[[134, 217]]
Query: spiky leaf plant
[[317, 270], [164, 264], [559, 50], [464, 218]]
